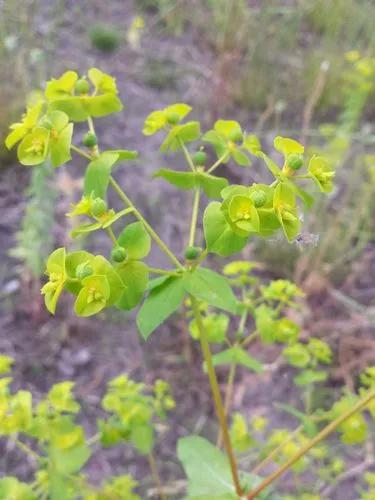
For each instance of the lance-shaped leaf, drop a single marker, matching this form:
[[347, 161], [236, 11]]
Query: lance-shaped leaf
[[123, 154], [210, 287], [161, 302], [220, 238], [239, 356], [211, 185], [97, 175]]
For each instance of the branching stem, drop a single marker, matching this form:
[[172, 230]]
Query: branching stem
[[323, 434], [216, 395]]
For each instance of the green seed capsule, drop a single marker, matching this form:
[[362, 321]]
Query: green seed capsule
[[199, 159], [83, 270], [98, 207], [192, 253], [82, 86], [259, 198], [236, 136], [119, 254], [295, 161], [89, 140], [173, 118]]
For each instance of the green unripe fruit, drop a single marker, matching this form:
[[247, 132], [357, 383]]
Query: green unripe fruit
[[119, 254], [236, 136], [173, 118], [82, 86], [192, 253], [259, 198], [83, 270], [199, 159], [89, 140], [295, 161], [98, 207]]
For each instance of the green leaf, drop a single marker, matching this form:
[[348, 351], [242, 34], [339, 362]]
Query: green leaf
[[309, 377], [210, 184], [211, 287], [272, 167], [60, 146], [237, 355], [161, 302], [33, 149], [187, 132], [182, 180], [240, 158], [123, 154], [207, 469], [97, 175], [142, 436], [134, 275], [136, 240], [219, 236], [287, 146]]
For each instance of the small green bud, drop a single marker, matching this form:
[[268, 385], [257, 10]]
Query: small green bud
[[200, 158], [236, 136], [98, 207], [83, 270], [295, 161], [259, 198], [82, 86], [119, 254], [89, 140], [192, 253], [173, 118]]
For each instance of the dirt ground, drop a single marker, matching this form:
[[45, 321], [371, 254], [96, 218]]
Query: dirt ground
[[90, 351]]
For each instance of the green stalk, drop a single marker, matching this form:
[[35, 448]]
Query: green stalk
[[194, 216], [150, 230], [156, 476], [313, 442], [186, 154], [217, 163], [216, 395], [111, 234]]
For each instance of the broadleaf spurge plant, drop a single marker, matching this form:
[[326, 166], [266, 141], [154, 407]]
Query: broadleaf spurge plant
[[235, 214]]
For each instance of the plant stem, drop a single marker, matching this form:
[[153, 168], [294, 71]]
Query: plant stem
[[216, 395], [140, 217], [217, 163], [155, 475], [26, 449], [228, 398], [186, 154], [112, 235], [164, 272], [194, 216], [275, 451], [81, 152], [313, 442]]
